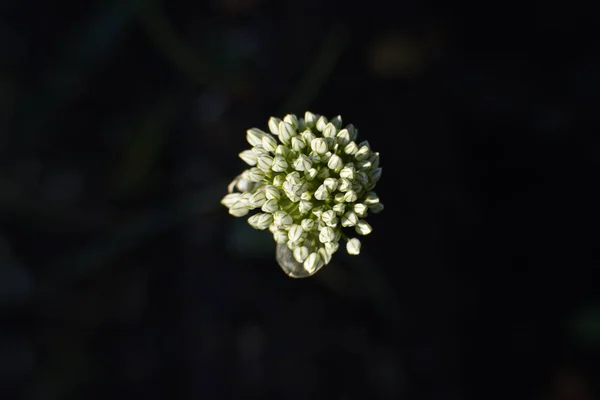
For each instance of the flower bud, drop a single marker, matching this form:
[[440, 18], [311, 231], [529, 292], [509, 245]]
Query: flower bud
[[254, 136], [326, 234], [249, 157], [363, 227], [353, 246], [335, 163], [260, 221], [269, 143], [349, 219], [319, 145], [274, 125]]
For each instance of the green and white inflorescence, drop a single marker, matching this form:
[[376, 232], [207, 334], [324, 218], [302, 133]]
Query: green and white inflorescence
[[310, 183]]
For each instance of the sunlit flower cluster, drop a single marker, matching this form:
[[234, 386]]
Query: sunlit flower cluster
[[310, 183]]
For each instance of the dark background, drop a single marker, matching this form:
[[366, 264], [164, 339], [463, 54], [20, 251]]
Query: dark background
[[123, 277]]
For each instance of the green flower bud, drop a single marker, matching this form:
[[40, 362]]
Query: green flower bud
[[337, 121], [376, 209], [371, 198]]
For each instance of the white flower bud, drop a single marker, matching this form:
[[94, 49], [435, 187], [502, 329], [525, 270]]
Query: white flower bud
[[279, 164], [308, 136], [335, 163], [325, 255], [255, 174], [231, 198], [304, 206], [292, 120], [258, 199], [311, 174], [259, 150], [339, 208], [239, 209], [328, 216], [302, 163], [269, 143], [349, 219], [348, 171], [312, 263], [360, 210], [274, 125], [270, 206], [295, 233], [260, 221], [280, 236], [329, 131], [332, 247], [264, 163], [282, 219], [310, 119], [278, 179], [326, 234], [271, 192], [363, 153], [298, 143], [300, 254], [321, 123], [254, 136], [363, 227], [330, 184], [306, 195], [307, 224], [351, 148], [344, 185], [339, 197], [321, 193], [363, 165], [286, 132], [353, 246], [319, 145], [249, 157], [290, 191], [282, 151], [343, 137]]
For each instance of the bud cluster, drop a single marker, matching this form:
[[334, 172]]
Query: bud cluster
[[309, 182]]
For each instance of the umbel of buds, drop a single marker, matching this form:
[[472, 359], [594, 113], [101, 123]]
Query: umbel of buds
[[311, 183]]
